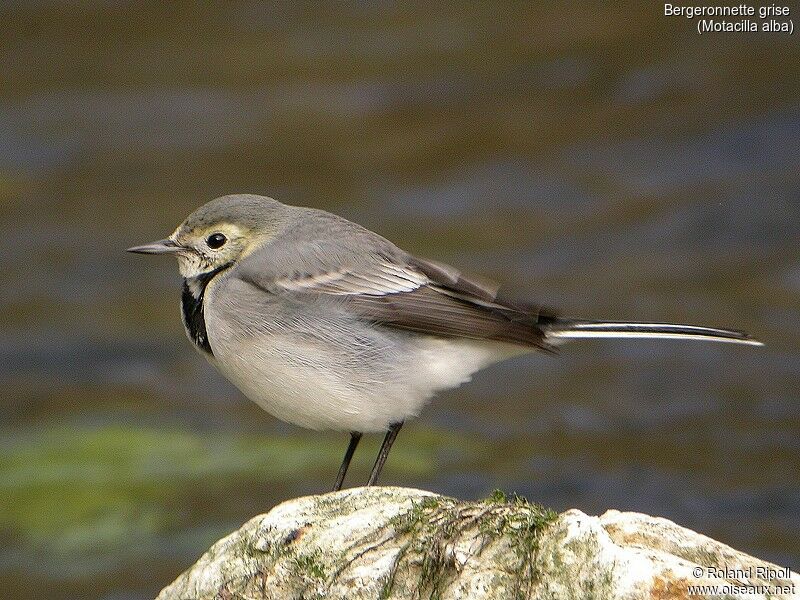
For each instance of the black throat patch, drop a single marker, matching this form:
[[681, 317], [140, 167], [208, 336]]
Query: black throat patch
[[194, 289]]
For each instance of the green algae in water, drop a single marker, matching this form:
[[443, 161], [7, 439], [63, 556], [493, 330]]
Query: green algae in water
[[71, 491]]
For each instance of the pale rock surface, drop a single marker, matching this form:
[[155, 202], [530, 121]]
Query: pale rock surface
[[387, 542]]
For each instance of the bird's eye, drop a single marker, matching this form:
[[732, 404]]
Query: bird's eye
[[216, 240]]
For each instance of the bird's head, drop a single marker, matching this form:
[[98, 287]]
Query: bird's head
[[219, 233]]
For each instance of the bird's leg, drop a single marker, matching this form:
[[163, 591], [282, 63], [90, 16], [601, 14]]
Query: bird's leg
[[355, 437], [394, 428]]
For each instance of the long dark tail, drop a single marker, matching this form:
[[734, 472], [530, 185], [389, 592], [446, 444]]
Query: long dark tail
[[567, 329]]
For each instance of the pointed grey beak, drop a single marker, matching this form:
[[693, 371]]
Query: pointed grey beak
[[160, 247]]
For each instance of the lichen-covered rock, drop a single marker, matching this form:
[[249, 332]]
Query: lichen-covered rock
[[386, 542]]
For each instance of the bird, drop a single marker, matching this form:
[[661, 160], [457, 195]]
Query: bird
[[330, 326]]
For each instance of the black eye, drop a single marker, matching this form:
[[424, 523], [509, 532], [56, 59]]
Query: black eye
[[216, 240]]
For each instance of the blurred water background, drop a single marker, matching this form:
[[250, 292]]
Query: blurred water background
[[605, 160]]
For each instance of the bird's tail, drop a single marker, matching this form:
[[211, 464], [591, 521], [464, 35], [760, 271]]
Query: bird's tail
[[566, 329]]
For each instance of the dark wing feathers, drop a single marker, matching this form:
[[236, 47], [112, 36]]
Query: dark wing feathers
[[449, 278], [428, 298], [431, 310]]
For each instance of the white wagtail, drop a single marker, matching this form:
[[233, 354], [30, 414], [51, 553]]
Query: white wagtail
[[328, 325]]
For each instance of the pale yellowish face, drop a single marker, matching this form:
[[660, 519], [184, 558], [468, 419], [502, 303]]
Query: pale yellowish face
[[210, 248]]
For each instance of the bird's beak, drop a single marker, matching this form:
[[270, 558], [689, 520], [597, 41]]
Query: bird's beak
[[160, 247]]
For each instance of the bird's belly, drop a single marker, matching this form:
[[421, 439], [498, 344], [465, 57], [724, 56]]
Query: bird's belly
[[323, 384], [295, 386]]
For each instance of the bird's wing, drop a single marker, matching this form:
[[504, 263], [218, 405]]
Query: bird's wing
[[394, 289], [380, 279]]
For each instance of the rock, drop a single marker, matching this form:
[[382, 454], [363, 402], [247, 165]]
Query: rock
[[387, 542]]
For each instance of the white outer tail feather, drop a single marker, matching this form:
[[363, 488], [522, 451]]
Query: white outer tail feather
[[567, 329]]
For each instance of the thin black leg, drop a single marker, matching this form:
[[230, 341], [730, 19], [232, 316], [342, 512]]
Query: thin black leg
[[355, 437], [384, 452]]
